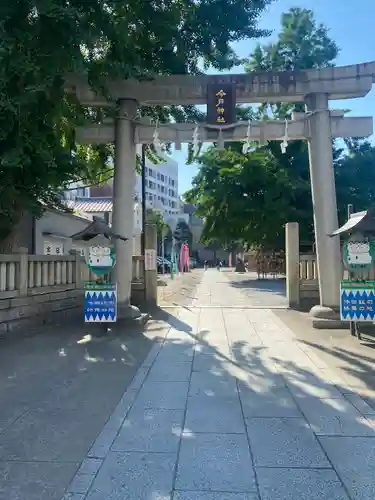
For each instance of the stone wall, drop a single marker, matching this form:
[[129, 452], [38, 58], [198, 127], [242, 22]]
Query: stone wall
[[37, 289]]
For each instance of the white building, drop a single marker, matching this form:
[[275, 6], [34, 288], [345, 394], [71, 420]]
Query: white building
[[76, 191], [161, 195], [161, 187]]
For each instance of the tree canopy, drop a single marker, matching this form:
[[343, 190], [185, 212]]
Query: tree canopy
[[249, 198], [40, 42]]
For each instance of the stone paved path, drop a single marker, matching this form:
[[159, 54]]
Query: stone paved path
[[230, 407]]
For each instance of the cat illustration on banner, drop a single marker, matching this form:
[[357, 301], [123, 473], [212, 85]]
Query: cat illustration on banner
[[100, 259]]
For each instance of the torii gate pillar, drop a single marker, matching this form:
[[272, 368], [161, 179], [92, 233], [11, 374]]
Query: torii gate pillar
[[123, 203], [324, 206]]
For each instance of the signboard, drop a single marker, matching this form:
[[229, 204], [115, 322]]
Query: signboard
[[100, 303], [357, 300], [100, 259], [358, 253], [221, 104], [150, 260]]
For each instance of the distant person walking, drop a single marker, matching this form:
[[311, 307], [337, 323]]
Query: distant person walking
[[205, 265]]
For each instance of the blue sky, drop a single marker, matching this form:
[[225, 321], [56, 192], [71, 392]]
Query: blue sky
[[352, 26]]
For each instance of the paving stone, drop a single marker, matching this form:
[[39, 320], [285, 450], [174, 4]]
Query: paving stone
[[152, 355], [217, 415], [245, 343], [284, 442], [9, 413], [45, 435], [362, 406], [134, 476], [209, 384], [176, 353], [215, 462], [81, 483], [103, 442], [255, 360], [139, 378], [220, 348], [278, 403], [154, 430], [167, 395], [305, 385], [259, 381], [354, 460], [315, 355], [170, 372], [181, 336], [287, 355], [334, 417], [121, 410], [204, 495], [90, 466], [300, 484], [35, 480], [105, 439], [210, 363]]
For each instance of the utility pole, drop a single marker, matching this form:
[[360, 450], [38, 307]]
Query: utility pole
[[144, 217]]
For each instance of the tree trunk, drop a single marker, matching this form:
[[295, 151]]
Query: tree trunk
[[21, 235]]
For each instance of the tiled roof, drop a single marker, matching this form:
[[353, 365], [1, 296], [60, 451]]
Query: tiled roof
[[90, 205]]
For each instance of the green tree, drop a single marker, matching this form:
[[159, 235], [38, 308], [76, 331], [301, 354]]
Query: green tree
[[182, 233], [250, 198], [162, 228], [355, 177], [40, 42], [301, 44], [231, 192]]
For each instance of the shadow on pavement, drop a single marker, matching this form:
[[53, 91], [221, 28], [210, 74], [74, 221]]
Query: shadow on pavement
[[210, 394], [242, 412], [275, 286], [58, 388]]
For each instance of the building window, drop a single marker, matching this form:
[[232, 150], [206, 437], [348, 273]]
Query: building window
[[162, 177], [150, 172], [158, 176]]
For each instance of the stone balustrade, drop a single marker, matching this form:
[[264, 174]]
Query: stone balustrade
[[33, 287], [302, 285], [308, 278]]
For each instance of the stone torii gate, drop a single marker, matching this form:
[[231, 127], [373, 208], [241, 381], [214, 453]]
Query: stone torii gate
[[318, 126]]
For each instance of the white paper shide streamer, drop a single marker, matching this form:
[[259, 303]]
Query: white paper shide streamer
[[196, 141], [246, 148], [284, 143]]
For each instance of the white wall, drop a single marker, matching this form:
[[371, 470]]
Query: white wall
[[62, 227], [163, 192]]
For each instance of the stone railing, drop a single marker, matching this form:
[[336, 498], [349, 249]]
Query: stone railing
[[308, 277], [302, 284], [37, 285], [22, 275]]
